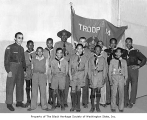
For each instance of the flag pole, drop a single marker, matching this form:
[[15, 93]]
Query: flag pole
[[72, 11]]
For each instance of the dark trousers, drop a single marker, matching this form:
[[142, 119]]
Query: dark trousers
[[133, 79], [85, 92], [66, 89], [16, 79], [108, 91], [28, 89]]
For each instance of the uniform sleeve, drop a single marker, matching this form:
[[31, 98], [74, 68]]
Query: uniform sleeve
[[104, 69], [142, 58], [110, 69], [70, 68], [89, 69], [23, 61], [86, 68], [126, 70], [67, 67], [7, 59], [54, 50], [47, 66]]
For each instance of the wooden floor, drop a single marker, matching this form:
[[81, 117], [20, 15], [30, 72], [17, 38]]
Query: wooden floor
[[139, 107]]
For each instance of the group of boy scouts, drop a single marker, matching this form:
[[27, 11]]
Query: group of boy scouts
[[107, 71]]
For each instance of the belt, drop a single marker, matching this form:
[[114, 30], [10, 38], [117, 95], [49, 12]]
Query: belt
[[81, 70], [40, 72], [16, 62], [99, 70]]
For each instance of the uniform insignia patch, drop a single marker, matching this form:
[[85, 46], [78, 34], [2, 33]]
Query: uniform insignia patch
[[8, 48]]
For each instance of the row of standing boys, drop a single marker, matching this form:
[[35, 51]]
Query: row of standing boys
[[107, 71]]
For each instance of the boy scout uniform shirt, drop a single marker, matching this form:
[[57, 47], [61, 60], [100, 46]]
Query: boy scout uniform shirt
[[114, 70], [68, 47], [133, 56], [57, 68], [78, 70], [97, 72], [28, 58], [49, 55], [14, 53]]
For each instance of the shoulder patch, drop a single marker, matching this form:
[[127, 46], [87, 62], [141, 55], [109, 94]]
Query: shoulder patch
[[8, 47]]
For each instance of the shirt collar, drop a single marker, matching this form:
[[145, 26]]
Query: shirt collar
[[49, 49], [80, 54], [97, 55], [131, 48], [30, 51], [59, 59], [39, 58]]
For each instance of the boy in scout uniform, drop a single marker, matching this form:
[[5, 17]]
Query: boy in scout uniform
[[133, 58], [39, 70], [97, 74], [103, 89], [48, 53], [85, 89], [29, 54], [15, 65], [118, 74], [67, 52], [59, 71], [110, 54], [78, 69]]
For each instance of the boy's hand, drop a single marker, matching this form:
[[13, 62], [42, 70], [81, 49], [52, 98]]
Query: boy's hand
[[10, 74], [135, 67]]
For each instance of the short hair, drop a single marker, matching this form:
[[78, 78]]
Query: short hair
[[129, 38], [118, 48], [30, 41], [59, 49], [39, 48], [49, 39], [97, 46], [79, 44], [113, 39], [82, 38], [18, 33]]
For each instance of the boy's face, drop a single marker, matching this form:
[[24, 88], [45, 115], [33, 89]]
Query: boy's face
[[59, 54], [113, 44], [80, 49], [49, 44], [30, 46], [97, 50], [40, 52], [128, 43], [19, 39], [118, 53], [100, 43], [83, 41]]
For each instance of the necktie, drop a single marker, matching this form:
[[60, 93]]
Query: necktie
[[64, 49]]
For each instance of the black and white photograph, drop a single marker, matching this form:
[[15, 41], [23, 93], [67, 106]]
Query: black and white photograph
[[73, 59]]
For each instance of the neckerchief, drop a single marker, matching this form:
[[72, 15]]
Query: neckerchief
[[79, 58], [59, 62], [30, 54], [96, 59], [119, 62], [49, 50]]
